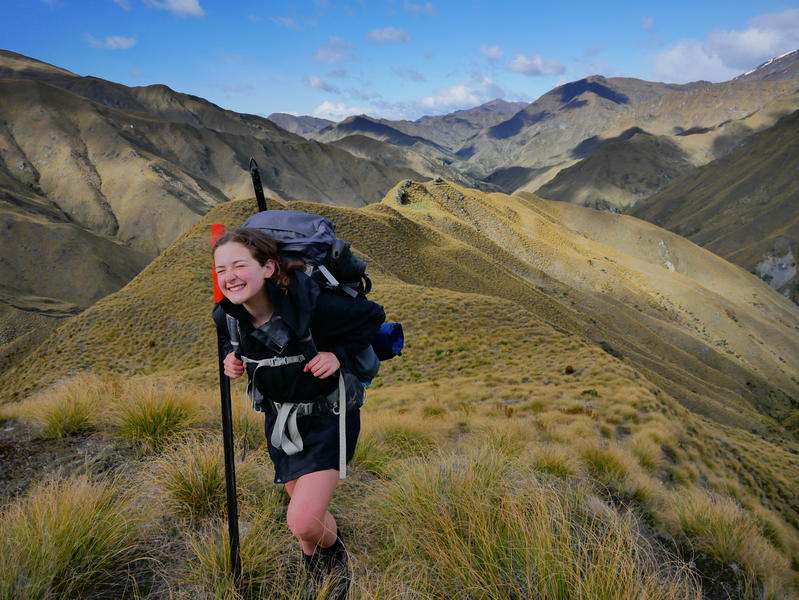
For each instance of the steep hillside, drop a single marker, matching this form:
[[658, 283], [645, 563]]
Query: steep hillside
[[742, 206], [619, 174], [595, 348]]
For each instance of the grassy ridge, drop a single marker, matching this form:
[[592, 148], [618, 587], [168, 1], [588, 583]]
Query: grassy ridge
[[528, 384]]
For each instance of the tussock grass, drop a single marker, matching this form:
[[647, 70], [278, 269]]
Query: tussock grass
[[482, 526], [554, 459], [389, 437], [721, 529], [191, 477], [608, 464], [151, 414], [267, 569], [73, 407], [65, 539]]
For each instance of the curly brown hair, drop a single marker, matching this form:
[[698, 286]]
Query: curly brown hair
[[263, 248]]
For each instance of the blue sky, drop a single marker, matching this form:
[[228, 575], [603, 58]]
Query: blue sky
[[393, 58]]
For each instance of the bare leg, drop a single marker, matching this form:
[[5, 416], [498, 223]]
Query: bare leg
[[307, 515]]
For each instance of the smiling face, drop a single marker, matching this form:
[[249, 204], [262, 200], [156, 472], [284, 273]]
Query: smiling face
[[241, 278]]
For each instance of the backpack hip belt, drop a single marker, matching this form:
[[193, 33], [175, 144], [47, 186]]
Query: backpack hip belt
[[286, 435]]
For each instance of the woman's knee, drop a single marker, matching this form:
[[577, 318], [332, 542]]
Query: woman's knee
[[305, 526]]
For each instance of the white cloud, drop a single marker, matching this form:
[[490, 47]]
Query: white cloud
[[338, 74], [409, 74], [725, 54], [111, 42], [123, 3], [464, 95], [335, 50], [648, 23], [388, 34], [535, 64], [179, 8], [491, 52], [337, 111], [319, 84], [421, 9], [286, 22], [593, 50], [691, 61]]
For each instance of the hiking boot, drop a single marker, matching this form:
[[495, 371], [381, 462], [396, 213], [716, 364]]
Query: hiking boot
[[336, 565], [315, 573]]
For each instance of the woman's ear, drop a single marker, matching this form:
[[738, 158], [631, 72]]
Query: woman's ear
[[271, 268]]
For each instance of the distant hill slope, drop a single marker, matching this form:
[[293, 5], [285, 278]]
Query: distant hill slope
[[619, 174], [301, 125], [378, 130], [453, 129], [548, 129], [120, 172], [399, 157], [743, 206], [528, 150]]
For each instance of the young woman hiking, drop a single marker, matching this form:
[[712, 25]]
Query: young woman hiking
[[273, 307]]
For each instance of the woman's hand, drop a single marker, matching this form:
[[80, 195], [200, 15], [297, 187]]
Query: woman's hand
[[234, 367], [324, 364]]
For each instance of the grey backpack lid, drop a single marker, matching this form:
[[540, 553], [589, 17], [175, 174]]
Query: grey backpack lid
[[297, 233]]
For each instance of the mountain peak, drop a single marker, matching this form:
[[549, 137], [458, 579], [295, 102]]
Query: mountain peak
[[785, 66]]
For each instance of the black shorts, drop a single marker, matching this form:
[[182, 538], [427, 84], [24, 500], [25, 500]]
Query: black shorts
[[320, 444]]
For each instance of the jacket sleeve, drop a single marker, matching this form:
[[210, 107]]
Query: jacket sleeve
[[222, 333], [345, 325]]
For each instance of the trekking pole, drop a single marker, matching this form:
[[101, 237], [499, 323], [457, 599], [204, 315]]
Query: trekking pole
[[256, 184], [227, 437]]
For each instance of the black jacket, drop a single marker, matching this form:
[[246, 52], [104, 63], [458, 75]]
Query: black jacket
[[338, 323]]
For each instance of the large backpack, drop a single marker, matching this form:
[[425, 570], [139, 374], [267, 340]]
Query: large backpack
[[330, 261]]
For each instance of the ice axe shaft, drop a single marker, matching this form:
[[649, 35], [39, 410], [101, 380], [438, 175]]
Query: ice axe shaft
[[227, 438]]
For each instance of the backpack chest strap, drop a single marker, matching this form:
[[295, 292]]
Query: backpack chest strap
[[277, 361]]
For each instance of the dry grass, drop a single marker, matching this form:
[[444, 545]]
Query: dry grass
[[266, 568], [152, 414], [74, 406], [481, 526], [191, 477], [67, 538], [720, 528]]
